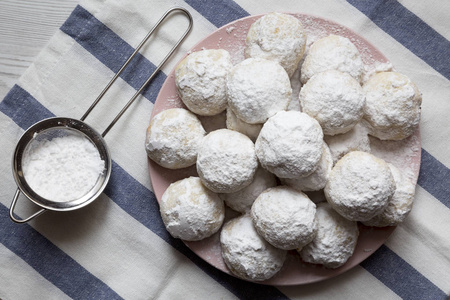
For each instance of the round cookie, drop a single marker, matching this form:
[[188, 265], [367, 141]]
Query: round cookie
[[201, 78], [318, 179], [360, 186], [246, 253], [279, 37], [290, 144], [284, 217], [333, 52], [190, 211], [242, 200], [257, 89], [335, 99], [392, 110], [173, 138], [234, 123], [226, 161], [400, 204], [335, 240]]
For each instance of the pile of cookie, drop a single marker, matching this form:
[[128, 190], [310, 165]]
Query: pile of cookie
[[268, 158]]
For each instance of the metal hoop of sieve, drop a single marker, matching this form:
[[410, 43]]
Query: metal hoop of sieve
[[60, 126]]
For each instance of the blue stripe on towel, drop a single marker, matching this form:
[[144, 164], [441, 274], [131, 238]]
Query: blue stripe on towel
[[219, 16], [434, 177], [400, 276], [135, 199], [22, 108], [112, 51], [410, 31], [51, 262]]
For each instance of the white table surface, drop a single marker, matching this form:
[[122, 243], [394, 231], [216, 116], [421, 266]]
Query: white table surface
[[25, 28]]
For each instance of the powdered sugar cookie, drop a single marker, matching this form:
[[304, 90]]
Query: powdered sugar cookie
[[173, 138], [284, 217], [190, 211], [242, 200], [400, 204], [332, 52], [392, 110], [290, 144], [234, 123], [226, 161], [246, 253], [360, 186], [335, 240], [200, 79], [279, 37], [318, 179], [335, 99], [258, 89]]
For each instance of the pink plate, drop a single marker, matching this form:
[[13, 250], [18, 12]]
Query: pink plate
[[404, 154]]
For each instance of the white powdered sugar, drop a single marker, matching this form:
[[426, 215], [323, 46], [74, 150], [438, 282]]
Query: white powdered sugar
[[173, 138], [335, 241], [356, 139], [332, 52], [335, 99], [290, 144], [230, 29], [242, 200], [360, 186], [190, 211], [246, 253], [402, 154], [377, 67], [284, 217], [201, 81], [258, 89], [392, 110], [318, 179], [400, 204], [296, 85], [234, 123], [64, 168], [279, 37], [226, 161]]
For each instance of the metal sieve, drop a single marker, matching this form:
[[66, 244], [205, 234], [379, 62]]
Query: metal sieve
[[48, 129]]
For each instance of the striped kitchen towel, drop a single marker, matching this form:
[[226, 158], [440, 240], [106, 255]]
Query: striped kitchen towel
[[117, 247]]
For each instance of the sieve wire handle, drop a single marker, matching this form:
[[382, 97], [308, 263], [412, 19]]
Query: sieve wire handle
[[168, 12], [13, 205]]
